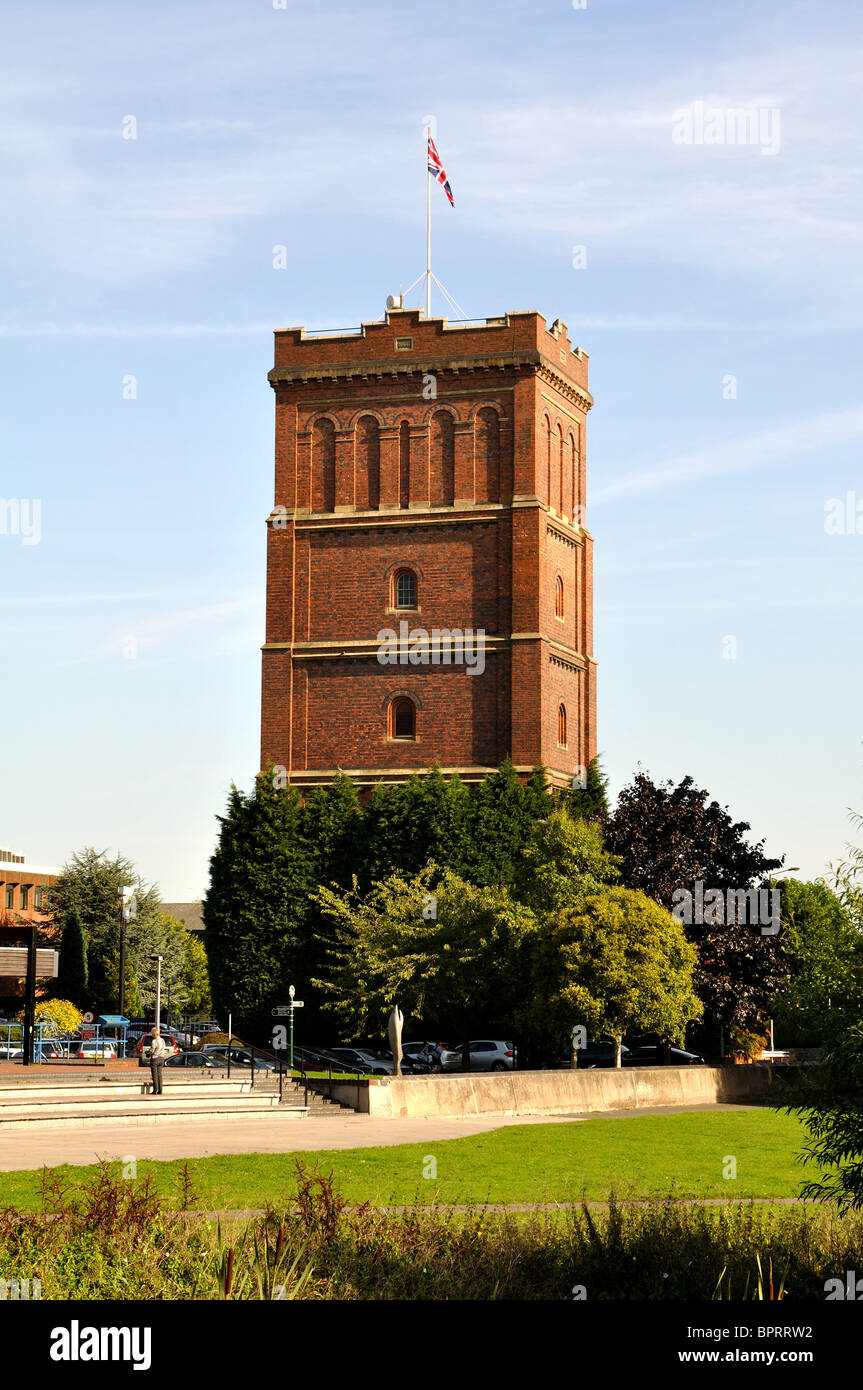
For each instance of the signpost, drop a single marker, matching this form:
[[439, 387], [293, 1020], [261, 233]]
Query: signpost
[[288, 1009]]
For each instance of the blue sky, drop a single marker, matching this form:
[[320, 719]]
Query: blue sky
[[132, 629]]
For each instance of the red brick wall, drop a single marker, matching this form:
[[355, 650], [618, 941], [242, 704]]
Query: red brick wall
[[464, 498]]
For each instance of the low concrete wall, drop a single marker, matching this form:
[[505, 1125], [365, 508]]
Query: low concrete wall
[[556, 1092]]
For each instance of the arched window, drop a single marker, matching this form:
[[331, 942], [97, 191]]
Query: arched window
[[442, 482], [561, 726], [487, 431], [368, 474], [548, 457], [558, 500], [404, 589], [403, 718], [558, 597], [404, 464], [323, 466]]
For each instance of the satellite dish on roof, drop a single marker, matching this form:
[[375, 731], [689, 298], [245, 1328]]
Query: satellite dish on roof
[[394, 301]]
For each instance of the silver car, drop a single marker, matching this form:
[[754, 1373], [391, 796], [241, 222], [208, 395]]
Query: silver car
[[364, 1059], [484, 1056]]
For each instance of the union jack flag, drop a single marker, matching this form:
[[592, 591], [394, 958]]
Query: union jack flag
[[439, 172]]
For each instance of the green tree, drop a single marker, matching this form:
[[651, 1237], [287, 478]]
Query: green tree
[[825, 992], [73, 975], [503, 816], [89, 885], [132, 1005], [613, 963], [565, 858], [591, 800], [427, 817], [256, 908], [444, 950], [829, 1097], [829, 1100], [196, 979], [334, 829], [847, 876], [165, 936]]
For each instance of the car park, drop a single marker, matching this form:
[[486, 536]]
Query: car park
[[485, 1055]]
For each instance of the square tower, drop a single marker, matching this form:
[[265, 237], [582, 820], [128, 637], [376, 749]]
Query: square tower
[[430, 479]]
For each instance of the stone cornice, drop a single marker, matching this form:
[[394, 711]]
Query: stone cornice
[[468, 514], [366, 648], [369, 776], [394, 368]]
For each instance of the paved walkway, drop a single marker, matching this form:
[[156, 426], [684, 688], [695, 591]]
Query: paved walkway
[[268, 1134]]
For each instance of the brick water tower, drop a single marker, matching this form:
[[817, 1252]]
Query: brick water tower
[[429, 571]]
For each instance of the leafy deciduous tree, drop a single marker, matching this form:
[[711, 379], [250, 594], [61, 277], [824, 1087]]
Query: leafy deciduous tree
[[613, 963], [449, 968]]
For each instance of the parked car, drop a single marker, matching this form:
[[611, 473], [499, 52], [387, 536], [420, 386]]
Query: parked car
[[601, 1054], [46, 1051], [94, 1048], [415, 1057], [200, 1060], [324, 1059], [240, 1057], [484, 1056], [374, 1063], [654, 1055]]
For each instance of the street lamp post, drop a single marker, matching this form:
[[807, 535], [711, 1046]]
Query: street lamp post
[[794, 869], [158, 960], [128, 913]]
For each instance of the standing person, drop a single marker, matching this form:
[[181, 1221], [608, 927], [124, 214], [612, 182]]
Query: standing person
[[158, 1053]]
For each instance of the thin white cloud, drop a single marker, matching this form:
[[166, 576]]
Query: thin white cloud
[[72, 598], [761, 450], [221, 629], [130, 330]]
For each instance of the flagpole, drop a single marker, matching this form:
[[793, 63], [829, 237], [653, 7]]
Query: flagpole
[[428, 229]]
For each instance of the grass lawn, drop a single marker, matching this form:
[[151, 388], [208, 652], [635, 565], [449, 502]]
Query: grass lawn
[[637, 1156]]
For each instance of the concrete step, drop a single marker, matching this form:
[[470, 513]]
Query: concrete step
[[86, 1095], [123, 1104], [135, 1077], [150, 1110]]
